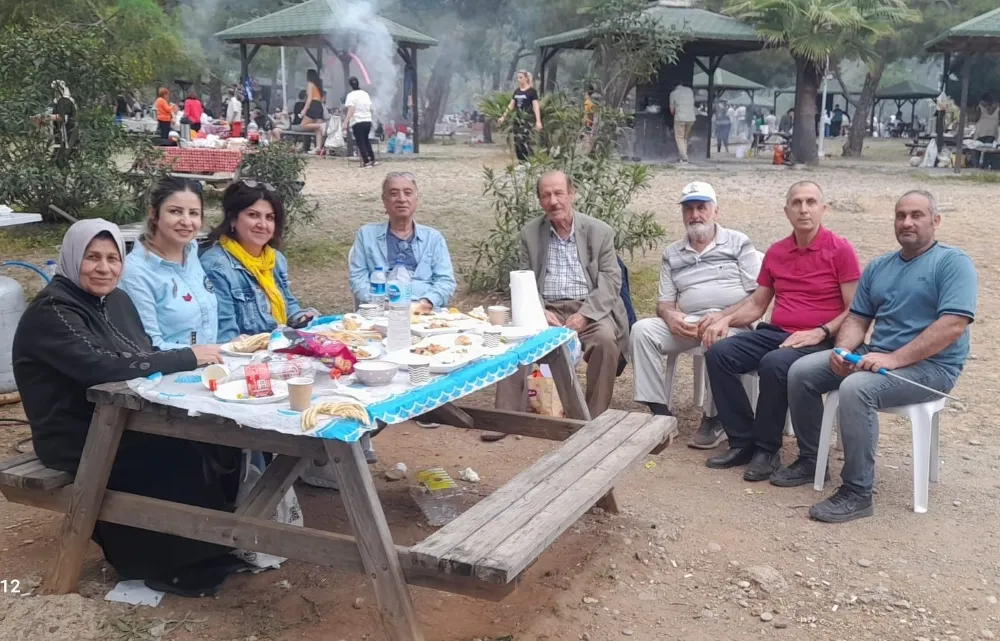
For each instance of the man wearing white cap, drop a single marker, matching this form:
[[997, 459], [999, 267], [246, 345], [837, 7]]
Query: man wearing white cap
[[708, 270]]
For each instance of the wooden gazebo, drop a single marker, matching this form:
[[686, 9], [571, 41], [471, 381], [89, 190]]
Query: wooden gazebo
[[312, 25], [980, 35], [904, 92], [706, 35]]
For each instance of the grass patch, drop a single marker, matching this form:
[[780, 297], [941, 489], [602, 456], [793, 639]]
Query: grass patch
[[980, 177], [644, 283], [303, 252], [19, 241]]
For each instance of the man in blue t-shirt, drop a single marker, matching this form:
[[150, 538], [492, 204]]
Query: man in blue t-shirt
[[921, 300]]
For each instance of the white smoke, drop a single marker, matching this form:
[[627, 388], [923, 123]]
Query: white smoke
[[356, 27]]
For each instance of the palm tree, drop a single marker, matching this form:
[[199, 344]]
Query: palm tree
[[814, 31]]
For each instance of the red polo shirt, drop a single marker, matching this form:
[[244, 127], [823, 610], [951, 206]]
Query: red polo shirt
[[806, 280]]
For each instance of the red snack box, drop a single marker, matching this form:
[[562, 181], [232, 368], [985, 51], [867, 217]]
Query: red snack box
[[258, 380]]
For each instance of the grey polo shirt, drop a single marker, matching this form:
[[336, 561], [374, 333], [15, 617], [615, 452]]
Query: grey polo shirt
[[723, 274]]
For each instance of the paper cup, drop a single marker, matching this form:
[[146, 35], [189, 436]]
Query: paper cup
[[491, 337], [498, 314], [300, 393], [691, 319], [368, 310], [420, 371], [213, 373]]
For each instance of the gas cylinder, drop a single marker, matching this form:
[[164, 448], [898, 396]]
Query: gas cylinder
[[12, 305]]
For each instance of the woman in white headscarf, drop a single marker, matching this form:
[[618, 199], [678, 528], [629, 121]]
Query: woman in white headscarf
[[81, 331]]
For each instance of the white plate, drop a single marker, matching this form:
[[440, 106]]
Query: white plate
[[460, 325], [365, 324], [374, 350], [511, 334], [454, 357], [229, 392], [227, 349]]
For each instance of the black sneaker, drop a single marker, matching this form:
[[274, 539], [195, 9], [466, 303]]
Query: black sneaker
[[845, 505], [710, 434], [733, 457], [800, 472], [762, 466]]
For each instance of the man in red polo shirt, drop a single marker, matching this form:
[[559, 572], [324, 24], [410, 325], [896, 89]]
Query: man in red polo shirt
[[811, 276]]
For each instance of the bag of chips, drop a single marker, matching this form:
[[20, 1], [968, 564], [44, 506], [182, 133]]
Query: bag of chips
[[331, 353]]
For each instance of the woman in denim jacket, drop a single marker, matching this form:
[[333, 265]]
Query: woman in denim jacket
[[250, 275]]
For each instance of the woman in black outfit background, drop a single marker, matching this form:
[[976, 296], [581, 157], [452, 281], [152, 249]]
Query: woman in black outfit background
[[526, 108]]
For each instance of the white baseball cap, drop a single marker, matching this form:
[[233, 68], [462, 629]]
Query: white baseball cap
[[698, 192]]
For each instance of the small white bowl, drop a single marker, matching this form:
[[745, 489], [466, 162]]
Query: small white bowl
[[375, 373]]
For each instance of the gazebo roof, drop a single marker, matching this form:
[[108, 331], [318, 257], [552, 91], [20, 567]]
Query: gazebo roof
[[706, 33], [311, 23], [725, 80], [833, 88], [978, 35], [906, 90]]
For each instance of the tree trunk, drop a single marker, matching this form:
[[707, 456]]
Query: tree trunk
[[807, 80], [863, 110], [515, 61], [438, 88], [215, 96]]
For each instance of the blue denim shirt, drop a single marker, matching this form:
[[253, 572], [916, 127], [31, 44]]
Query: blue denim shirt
[[434, 278], [173, 300], [243, 306]]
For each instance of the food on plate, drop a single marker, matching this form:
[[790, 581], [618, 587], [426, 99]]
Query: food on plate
[[351, 324], [428, 350], [438, 324], [352, 339], [310, 417], [463, 340], [454, 310], [479, 313], [361, 352], [250, 344]]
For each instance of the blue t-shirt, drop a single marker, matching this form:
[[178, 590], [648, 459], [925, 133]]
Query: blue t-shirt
[[904, 297], [400, 247]]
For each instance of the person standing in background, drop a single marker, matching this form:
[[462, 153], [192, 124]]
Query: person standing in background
[[193, 110], [682, 109], [312, 112], [723, 126], [234, 108], [164, 113], [359, 119], [525, 103]]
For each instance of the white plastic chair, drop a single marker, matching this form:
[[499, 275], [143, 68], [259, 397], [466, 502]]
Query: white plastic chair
[[925, 419]]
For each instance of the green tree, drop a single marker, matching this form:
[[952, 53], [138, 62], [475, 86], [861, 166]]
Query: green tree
[[814, 31]]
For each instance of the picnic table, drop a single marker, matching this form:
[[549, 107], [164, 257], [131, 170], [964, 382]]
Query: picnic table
[[482, 553], [18, 218]]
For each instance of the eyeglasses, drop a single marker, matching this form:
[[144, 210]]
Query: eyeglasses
[[253, 184]]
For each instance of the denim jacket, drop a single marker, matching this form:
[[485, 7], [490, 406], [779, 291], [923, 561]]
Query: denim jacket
[[434, 278], [173, 300], [243, 306]]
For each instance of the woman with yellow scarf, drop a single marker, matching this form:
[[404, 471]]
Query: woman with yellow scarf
[[245, 268]]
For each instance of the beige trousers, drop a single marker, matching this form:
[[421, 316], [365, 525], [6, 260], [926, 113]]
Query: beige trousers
[[600, 352], [682, 131]]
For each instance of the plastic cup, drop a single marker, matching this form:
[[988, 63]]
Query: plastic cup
[[368, 310], [491, 337], [213, 373], [691, 319], [420, 371], [497, 314], [300, 393]]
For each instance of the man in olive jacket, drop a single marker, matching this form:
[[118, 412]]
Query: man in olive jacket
[[579, 281]]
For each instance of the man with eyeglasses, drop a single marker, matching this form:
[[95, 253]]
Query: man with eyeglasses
[[422, 249]]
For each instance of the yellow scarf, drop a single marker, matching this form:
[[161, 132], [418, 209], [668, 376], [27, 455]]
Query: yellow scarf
[[262, 269]]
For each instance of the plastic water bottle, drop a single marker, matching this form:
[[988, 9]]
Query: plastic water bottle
[[377, 285], [398, 293], [49, 268]]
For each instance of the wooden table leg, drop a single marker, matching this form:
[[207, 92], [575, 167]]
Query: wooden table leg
[[574, 401], [87, 494], [378, 553]]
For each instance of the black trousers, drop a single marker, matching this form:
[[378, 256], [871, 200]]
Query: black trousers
[[171, 470], [361, 132], [163, 129], [740, 354], [522, 143]]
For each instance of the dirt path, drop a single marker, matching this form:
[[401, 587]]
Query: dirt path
[[671, 566]]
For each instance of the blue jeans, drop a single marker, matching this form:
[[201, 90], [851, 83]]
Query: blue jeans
[[862, 394]]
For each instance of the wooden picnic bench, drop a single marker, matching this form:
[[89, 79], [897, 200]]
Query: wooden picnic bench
[[482, 553]]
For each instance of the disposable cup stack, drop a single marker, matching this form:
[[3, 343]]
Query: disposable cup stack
[[526, 306]]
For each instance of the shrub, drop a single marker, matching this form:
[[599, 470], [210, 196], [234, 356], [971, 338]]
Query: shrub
[[281, 167]]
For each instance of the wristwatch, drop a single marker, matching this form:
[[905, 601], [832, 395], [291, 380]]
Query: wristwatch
[[826, 331]]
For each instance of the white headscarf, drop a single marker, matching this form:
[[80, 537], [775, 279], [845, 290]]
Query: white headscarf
[[62, 90], [75, 243]]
